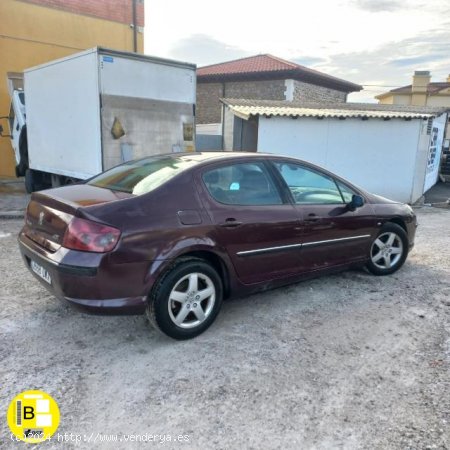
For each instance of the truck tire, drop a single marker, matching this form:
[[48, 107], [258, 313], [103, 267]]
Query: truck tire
[[30, 181], [22, 167]]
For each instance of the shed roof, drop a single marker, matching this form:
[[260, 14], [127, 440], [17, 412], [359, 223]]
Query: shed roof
[[270, 67], [246, 108]]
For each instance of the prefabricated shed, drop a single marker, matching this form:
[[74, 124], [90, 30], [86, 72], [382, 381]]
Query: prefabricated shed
[[389, 150]]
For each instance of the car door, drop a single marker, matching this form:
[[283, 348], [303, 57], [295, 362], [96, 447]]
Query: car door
[[332, 234], [253, 221]]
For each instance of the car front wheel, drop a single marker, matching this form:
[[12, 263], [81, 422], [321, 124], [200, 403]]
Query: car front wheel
[[389, 250], [186, 300]]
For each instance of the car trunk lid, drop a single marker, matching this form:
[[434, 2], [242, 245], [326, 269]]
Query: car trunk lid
[[49, 212]]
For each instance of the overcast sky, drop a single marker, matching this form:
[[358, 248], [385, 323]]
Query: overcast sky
[[370, 42]]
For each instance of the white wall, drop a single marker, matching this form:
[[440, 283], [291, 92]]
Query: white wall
[[145, 79], [63, 116], [213, 129], [378, 155]]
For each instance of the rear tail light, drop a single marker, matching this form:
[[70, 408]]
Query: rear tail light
[[90, 236]]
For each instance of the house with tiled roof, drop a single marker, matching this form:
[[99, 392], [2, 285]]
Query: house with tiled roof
[[264, 77], [422, 92]]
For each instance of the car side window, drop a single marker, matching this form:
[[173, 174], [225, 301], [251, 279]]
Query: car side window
[[346, 192], [242, 184], [309, 187]]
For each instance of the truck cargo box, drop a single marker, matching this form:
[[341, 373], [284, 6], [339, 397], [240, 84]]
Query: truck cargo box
[[93, 110]]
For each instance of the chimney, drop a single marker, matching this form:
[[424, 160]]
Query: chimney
[[448, 79], [420, 82]]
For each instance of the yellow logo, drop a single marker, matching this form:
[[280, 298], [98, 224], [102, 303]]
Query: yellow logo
[[33, 416]]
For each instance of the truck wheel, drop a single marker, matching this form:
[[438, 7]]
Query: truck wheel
[[22, 167], [30, 181]]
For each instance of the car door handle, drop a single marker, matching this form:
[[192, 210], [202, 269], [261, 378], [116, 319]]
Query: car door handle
[[230, 223], [311, 218]]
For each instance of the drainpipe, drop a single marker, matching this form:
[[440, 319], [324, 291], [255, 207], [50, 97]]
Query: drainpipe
[[134, 26], [223, 117]]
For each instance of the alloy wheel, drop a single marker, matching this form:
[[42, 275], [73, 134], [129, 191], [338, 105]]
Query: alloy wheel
[[191, 300], [387, 250]]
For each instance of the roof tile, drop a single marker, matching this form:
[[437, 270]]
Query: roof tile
[[270, 65]]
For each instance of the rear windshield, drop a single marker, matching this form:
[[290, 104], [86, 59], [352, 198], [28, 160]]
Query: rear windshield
[[142, 176]]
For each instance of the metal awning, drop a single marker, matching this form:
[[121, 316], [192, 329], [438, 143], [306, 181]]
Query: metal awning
[[247, 108]]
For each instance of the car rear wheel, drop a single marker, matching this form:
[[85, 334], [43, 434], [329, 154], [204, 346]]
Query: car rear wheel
[[389, 250], [186, 300]]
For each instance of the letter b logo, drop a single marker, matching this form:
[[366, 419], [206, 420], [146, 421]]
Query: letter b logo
[[33, 416], [28, 412]]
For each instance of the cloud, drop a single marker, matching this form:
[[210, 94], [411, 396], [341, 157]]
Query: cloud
[[202, 50], [414, 61], [389, 65], [379, 5], [392, 64], [308, 60], [439, 7]]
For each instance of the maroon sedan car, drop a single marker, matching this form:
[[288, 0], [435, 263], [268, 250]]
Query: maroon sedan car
[[173, 235]]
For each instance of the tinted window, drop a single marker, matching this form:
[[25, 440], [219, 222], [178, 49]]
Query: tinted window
[[242, 184], [309, 186], [145, 175]]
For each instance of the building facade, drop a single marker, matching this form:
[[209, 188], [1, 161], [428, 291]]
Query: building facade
[[264, 77], [421, 92], [37, 31]]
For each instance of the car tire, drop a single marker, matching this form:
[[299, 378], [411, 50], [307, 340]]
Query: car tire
[[389, 250], [185, 301]]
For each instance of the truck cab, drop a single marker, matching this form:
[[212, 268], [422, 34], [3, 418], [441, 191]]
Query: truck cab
[[17, 130], [17, 124]]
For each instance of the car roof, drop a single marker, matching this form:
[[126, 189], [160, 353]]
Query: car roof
[[204, 156], [214, 155]]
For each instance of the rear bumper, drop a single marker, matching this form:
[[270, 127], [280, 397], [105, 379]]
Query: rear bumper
[[89, 282], [110, 306]]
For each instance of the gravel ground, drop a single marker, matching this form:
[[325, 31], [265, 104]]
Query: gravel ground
[[13, 198], [347, 361]]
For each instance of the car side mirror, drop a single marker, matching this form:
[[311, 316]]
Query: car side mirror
[[356, 202]]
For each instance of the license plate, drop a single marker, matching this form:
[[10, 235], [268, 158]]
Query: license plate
[[39, 270]]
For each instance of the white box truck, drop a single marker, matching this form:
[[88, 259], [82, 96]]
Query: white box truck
[[93, 110]]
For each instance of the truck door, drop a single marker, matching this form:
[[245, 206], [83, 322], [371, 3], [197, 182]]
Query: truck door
[[14, 131]]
